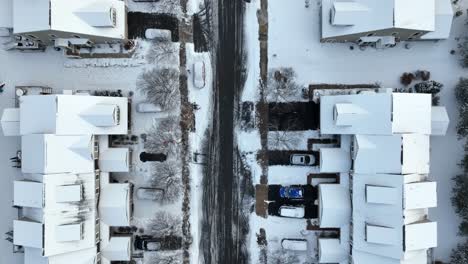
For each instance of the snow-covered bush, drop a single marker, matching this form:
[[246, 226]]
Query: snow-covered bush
[[167, 176], [460, 254], [165, 137], [460, 199], [160, 87], [282, 140], [164, 224], [461, 94], [431, 87], [163, 257], [281, 85], [162, 53]]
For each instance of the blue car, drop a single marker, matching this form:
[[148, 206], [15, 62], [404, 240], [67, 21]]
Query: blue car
[[291, 192]]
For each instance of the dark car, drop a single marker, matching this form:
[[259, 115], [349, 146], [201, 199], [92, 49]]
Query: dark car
[[150, 243], [291, 192], [247, 115]]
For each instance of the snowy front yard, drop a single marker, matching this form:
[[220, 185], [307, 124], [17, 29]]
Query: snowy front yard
[[294, 41]]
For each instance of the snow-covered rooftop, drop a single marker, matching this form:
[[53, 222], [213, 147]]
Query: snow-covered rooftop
[[57, 154], [73, 115], [433, 18], [334, 205], [380, 216], [376, 113], [81, 17], [115, 204], [6, 13]]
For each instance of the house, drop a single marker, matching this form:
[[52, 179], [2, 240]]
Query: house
[[385, 22], [58, 22], [66, 203], [381, 202]]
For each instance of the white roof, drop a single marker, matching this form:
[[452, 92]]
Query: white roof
[[382, 235], [11, 122], [412, 113], [333, 160], [379, 16], [379, 223], [28, 194], [440, 121], [374, 116], [381, 194], [432, 17], [331, 251], [27, 233], [421, 236], [406, 154], [85, 256], [68, 193], [334, 205], [415, 14], [118, 249], [114, 160], [66, 114], [419, 195], [443, 20], [57, 154], [31, 17], [416, 154], [68, 233], [6, 14], [348, 13], [376, 113], [377, 154], [114, 204]]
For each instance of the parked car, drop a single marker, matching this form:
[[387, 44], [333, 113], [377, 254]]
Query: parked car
[[144, 244], [295, 244], [302, 159], [149, 243], [154, 194], [248, 115], [292, 211], [148, 108], [199, 74], [291, 192], [158, 34]]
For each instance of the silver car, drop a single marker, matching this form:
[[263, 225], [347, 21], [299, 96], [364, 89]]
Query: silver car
[[302, 159]]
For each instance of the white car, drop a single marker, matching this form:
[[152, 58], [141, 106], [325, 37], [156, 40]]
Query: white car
[[292, 211], [302, 159], [148, 108], [158, 34], [153, 194], [199, 74], [294, 244]]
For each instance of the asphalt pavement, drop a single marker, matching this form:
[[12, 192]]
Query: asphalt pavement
[[220, 242]]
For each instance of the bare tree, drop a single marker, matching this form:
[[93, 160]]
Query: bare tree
[[161, 87], [165, 137], [168, 176], [164, 224], [282, 136], [281, 85], [165, 52], [282, 140], [164, 257]]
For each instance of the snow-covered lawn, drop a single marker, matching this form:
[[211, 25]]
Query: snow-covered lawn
[[203, 116], [294, 34]]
